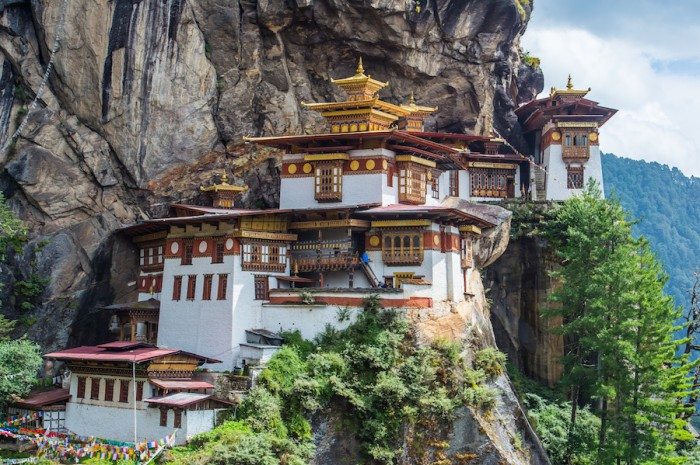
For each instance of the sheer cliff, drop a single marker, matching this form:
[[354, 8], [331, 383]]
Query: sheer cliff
[[147, 97]]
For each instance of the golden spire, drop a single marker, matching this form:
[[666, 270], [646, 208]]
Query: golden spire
[[411, 99], [223, 186], [569, 83], [360, 69]]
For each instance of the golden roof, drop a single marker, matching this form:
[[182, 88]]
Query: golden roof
[[360, 84], [413, 108], [569, 91], [223, 186], [353, 104]]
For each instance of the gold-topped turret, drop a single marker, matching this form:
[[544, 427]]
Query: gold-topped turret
[[224, 193], [363, 110], [360, 86], [569, 92], [415, 120]]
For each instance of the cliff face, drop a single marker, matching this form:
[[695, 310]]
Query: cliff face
[[518, 286], [500, 436], [147, 97]]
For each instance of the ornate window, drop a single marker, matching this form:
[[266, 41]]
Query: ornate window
[[95, 388], [191, 286], [574, 177], [466, 251], [177, 287], [187, 252], [435, 185], [163, 416], [139, 391], [109, 389], [264, 256], [497, 183], [329, 182], [177, 420], [81, 387], [402, 247], [575, 145], [454, 183], [206, 291], [223, 284], [262, 287], [412, 183], [123, 391], [218, 256]]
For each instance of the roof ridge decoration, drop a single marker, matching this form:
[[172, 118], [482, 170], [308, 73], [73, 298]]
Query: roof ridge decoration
[[223, 186], [570, 91]]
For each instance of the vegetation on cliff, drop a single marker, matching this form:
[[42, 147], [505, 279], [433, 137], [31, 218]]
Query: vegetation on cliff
[[19, 358], [374, 373], [620, 356]]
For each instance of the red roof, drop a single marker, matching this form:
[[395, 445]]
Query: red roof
[[124, 345], [36, 400], [434, 212], [184, 399], [110, 354], [178, 384]]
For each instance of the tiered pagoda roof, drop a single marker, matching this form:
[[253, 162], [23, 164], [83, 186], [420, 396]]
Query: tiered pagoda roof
[[568, 104]]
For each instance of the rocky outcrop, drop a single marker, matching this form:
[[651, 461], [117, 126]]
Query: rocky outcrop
[[502, 435], [149, 98], [518, 286]]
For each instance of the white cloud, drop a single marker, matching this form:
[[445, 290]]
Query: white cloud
[[657, 118]]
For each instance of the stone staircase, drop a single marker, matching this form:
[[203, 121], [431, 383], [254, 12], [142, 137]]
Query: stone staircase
[[540, 183]]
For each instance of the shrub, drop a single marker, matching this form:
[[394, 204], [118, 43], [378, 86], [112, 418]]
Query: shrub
[[480, 397], [491, 361]]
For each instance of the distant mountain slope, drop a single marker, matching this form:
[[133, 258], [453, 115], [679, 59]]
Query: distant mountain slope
[[667, 205]]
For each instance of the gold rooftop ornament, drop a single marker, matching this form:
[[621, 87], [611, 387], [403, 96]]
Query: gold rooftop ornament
[[415, 120], [569, 92], [363, 110], [224, 193]]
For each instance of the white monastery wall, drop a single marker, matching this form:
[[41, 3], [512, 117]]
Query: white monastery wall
[[204, 327], [310, 320], [557, 176]]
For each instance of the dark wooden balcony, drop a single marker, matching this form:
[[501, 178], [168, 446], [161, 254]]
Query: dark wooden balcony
[[575, 152], [402, 258], [326, 260]]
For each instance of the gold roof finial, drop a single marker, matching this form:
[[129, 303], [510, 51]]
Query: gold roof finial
[[224, 178], [569, 83], [360, 69], [411, 99], [223, 186]]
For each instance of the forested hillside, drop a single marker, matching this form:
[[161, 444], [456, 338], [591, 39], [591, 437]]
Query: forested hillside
[[667, 205]]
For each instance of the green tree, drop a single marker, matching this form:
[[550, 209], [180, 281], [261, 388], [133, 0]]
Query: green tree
[[618, 326], [20, 361]]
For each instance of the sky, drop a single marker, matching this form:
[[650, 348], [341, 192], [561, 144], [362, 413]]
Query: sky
[[639, 56]]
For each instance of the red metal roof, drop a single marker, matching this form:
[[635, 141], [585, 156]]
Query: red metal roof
[[138, 355], [178, 384], [37, 399], [124, 345], [435, 212]]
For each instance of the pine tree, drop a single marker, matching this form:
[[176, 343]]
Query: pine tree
[[618, 326]]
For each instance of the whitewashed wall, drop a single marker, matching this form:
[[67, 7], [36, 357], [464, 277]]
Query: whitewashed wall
[[556, 172]]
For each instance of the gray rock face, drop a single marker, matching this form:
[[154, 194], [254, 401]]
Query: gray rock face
[[519, 285], [150, 98]]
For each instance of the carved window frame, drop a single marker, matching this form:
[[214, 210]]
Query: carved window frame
[[413, 183], [575, 177], [328, 181], [402, 247], [264, 256]]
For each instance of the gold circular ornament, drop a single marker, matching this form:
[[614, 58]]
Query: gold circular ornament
[[385, 165], [370, 164], [354, 165], [593, 136], [556, 135], [307, 168], [374, 241], [436, 240], [292, 168], [430, 175]]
